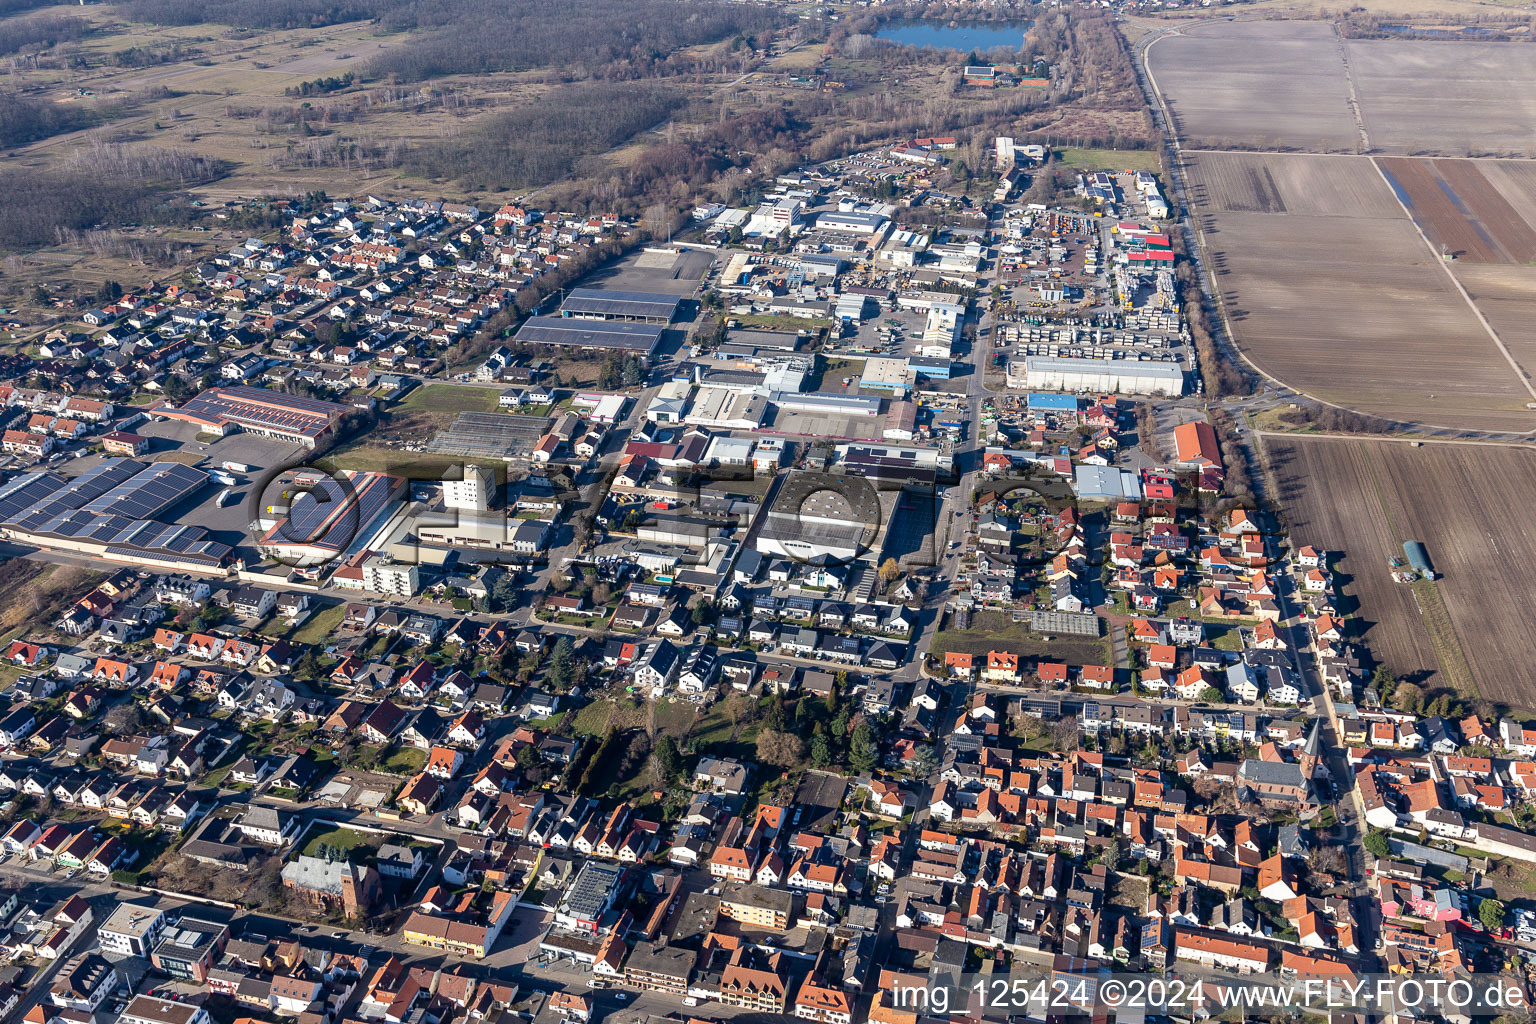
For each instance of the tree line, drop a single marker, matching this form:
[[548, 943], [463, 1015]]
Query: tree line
[[102, 184], [43, 32], [321, 86]]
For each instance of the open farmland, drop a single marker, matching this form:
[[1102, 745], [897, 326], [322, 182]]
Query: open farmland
[[1459, 208], [1365, 497], [1304, 185], [1451, 97], [1286, 85], [1507, 298], [1270, 85], [1331, 289]]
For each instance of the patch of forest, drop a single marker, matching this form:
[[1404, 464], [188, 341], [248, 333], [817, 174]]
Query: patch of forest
[[40, 31], [548, 140], [101, 184]]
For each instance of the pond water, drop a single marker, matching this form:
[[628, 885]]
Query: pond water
[[965, 36]]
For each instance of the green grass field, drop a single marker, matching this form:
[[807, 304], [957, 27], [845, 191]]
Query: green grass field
[[405, 761], [319, 625], [1110, 159], [451, 398], [347, 840]]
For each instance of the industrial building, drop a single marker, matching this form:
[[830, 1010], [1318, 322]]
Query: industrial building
[[329, 518], [851, 222], [602, 304], [294, 418], [728, 410], [893, 464], [1114, 376], [637, 336], [107, 512], [901, 421], [826, 404], [810, 521], [1106, 483], [885, 374]]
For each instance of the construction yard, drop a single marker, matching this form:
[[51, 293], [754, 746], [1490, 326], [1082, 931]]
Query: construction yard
[[1365, 497]]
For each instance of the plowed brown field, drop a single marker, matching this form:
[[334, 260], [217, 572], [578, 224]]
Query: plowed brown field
[[1458, 208], [1365, 497]]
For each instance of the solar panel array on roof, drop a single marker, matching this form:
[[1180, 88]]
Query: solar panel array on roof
[[110, 505], [134, 538], [27, 491], [626, 336], [150, 492], [329, 514], [79, 492], [605, 303], [260, 409]]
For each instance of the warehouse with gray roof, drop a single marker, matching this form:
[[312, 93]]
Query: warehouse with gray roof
[[638, 337], [603, 304]]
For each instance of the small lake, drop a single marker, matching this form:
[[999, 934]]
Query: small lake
[[965, 37]]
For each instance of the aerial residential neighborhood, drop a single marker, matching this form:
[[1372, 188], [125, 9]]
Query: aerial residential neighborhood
[[761, 513]]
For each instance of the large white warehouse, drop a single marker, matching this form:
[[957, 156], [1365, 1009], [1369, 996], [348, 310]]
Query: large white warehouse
[[1116, 376]]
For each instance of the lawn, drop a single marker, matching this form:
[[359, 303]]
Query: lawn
[[452, 398], [1110, 159], [1230, 640], [346, 840], [405, 761], [378, 458], [319, 625]]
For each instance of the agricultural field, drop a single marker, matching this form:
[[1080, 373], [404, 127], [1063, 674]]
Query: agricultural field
[[1257, 85], [1298, 184], [1331, 289], [1365, 497], [1457, 98], [1461, 211], [1507, 298], [1296, 85]]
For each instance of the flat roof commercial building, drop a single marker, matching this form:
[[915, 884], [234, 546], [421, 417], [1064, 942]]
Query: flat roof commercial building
[[105, 513], [727, 409], [591, 894], [814, 519], [329, 517], [606, 304], [636, 336], [294, 418], [885, 374], [827, 404], [1117, 376]]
